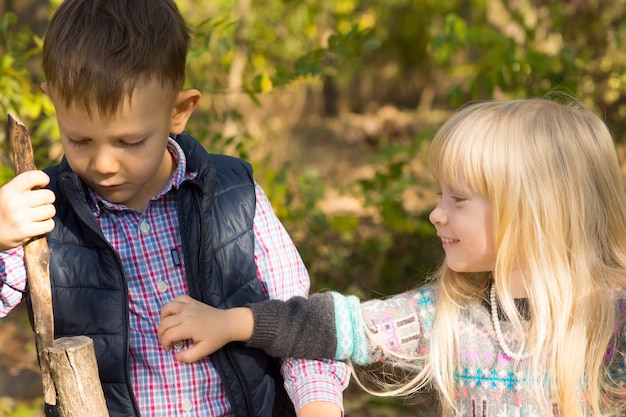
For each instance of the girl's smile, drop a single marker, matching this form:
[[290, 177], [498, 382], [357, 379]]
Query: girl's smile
[[464, 223], [447, 241]]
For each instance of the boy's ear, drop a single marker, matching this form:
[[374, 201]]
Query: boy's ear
[[186, 102], [45, 88]]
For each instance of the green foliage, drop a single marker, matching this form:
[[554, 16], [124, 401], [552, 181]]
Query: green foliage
[[383, 250], [11, 408], [504, 49], [466, 50], [19, 92], [283, 46], [320, 60]]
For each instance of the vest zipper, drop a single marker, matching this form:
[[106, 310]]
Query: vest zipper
[[241, 379]]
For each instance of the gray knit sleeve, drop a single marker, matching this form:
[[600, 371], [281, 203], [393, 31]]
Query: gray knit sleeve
[[299, 327]]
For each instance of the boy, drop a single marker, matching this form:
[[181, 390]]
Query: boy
[[144, 214]]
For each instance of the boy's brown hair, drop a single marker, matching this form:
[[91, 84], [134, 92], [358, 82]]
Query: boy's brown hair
[[97, 51]]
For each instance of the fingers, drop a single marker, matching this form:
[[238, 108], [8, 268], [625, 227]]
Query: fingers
[[37, 198], [193, 354], [30, 179], [169, 331], [202, 326], [30, 215], [172, 329], [37, 228], [42, 213], [24, 191], [26, 210], [175, 306]]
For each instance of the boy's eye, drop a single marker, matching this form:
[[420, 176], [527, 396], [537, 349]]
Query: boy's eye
[[133, 144], [75, 142]]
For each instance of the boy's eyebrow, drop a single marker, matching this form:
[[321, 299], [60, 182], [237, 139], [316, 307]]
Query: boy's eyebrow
[[134, 131], [124, 135]]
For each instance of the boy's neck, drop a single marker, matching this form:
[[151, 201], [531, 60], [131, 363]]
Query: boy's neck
[[167, 169]]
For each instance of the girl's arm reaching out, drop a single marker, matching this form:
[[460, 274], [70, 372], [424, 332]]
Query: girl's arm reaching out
[[299, 327], [324, 326]]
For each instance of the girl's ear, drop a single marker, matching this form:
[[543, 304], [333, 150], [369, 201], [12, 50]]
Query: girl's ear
[[186, 102]]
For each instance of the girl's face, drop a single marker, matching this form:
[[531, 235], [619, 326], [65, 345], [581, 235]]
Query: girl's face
[[464, 222]]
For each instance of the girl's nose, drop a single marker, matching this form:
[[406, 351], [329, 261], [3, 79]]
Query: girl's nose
[[437, 216]]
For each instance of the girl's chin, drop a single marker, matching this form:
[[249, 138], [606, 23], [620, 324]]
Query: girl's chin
[[464, 268]]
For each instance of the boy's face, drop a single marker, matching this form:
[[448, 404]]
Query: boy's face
[[123, 157]]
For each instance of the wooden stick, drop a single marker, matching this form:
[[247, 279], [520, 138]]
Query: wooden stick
[[75, 370], [37, 261]]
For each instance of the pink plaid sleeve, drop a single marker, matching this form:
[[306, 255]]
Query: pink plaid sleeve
[[283, 275], [12, 279]]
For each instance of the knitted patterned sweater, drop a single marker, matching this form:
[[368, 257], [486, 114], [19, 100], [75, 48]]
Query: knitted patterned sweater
[[330, 325]]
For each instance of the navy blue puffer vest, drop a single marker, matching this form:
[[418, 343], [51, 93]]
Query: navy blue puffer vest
[[89, 292]]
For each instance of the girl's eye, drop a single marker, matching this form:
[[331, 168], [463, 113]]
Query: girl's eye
[[457, 198]]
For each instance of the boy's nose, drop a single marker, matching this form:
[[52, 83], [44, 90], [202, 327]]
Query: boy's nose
[[104, 162]]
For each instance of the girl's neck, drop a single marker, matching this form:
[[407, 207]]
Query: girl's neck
[[518, 291], [517, 286]]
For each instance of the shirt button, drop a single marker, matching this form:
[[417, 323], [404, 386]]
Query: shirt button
[[144, 227], [187, 405], [162, 286], [179, 345]]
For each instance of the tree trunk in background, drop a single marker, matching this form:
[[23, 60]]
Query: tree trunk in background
[[330, 93], [330, 89], [235, 74]]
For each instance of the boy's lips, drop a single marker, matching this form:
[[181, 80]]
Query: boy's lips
[[108, 187]]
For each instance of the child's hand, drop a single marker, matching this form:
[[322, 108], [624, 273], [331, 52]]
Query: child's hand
[[25, 210], [209, 328]]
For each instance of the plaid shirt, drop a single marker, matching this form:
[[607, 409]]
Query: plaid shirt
[[148, 244]]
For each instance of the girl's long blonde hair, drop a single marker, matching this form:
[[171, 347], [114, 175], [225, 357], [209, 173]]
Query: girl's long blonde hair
[[551, 172]]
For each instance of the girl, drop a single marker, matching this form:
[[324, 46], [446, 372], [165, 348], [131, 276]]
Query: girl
[[524, 317]]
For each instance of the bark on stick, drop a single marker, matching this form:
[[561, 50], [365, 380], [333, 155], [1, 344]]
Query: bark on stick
[[37, 261]]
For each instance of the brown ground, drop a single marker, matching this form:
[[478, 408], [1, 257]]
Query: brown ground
[[20, 381]]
